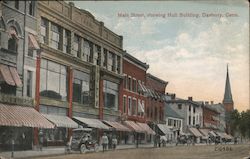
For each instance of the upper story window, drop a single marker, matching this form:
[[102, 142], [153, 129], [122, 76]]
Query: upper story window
[[113, 62], [134, 107], [44, 31], [194, 109], [179, 106], [13, 40], [55, 36], [125, 82], [86, 50], [134, 85], [66, 41], [129, 84], [118, 68], [189, 108], [81, 87], [129, 106], [31, 7], [110, 90], [110, 61], [16, 4], [97, 55], [29, 84], [124, 104], [76, 46]]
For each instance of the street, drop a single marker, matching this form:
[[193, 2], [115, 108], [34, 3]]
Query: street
[[179, 152]]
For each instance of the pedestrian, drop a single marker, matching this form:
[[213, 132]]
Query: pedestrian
[[114, 142], [105, 142], [41, 140]]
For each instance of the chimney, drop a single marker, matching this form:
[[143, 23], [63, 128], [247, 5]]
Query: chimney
[[172, 96], [212, 102], [190, 98]]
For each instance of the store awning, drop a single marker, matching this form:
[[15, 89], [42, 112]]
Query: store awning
[[146, 128], [164, 128], [221, 134], [227, 136], [10, 76], [117, 126], [140, 107], [33, 42], [195, 132], [93, 123], [61, 121], [20, 116], [205, 132], [212, 133], [132, 125]]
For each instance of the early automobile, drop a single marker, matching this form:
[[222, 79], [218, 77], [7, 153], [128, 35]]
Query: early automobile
[[82, 141]]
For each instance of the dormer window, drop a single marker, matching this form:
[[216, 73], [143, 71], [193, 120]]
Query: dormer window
[[13, 39]]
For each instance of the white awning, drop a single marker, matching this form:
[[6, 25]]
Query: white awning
[[61, 121], [140, 107], [195, 132], [93, 123]]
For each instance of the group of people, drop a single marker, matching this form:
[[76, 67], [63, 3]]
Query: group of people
[[106, 142]]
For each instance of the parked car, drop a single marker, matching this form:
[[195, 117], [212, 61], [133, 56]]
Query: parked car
[[82, 140]]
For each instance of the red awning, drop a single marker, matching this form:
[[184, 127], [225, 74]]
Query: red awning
[[132, 125], [146, 128], [117, 126], [33, 42], [10, 76], [20, 116]]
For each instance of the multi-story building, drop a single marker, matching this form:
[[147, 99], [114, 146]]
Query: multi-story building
[[222, 115], [192, 114], [80, 67], [210, 117], [18, 52]]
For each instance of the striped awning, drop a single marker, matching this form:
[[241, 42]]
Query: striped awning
[[117, 126], [9, 75], [205, 132], [135, 127], [212, 133], [61, 121], [93, 123], [20, 116], [33, 42], [146, 128], [195, 132]]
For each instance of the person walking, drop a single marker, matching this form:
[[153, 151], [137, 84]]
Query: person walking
[[105, 142], [41, 140], [114, 142]]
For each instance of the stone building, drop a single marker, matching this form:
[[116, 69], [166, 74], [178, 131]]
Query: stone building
[[80, 67], [19, 48]]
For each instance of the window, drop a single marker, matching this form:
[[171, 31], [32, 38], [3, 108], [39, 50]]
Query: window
[[13, 40], [44, 31], [110, 61], [118, 64], [189, 108], [66, 41], [30, 52], [194, 109], [175, 123], [53, 80], [16, 4], [29, 83], [31, 6], [55, 36], [86, 51], [110, 90], [134, 85], [76, 46], [189, 120], [134, 106], [124, 104], [129, 84], [179, 106], [129, 106], [97, 55], [104, 59], [81, 87], [113, 62], [125, 82], [193, 120], [7, 89]]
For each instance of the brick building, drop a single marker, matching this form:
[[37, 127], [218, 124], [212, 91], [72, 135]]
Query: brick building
[[210, 117], [79, 68]]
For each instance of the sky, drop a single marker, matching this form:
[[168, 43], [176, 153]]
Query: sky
[[187, 43]]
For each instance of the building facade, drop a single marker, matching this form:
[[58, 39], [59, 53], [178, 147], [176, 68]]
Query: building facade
[[211, 118], [80, 65]]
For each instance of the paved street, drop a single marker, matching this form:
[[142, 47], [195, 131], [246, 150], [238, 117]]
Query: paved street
[[180, 152]]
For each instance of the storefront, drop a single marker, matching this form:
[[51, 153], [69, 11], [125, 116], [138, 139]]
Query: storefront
[[16, 125]]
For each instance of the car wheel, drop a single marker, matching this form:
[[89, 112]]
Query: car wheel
[[82, 148], [96, 147]]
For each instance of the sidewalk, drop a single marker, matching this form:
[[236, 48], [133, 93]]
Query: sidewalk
[[53, 151]]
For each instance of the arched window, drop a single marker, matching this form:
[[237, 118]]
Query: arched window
[[13, 39]]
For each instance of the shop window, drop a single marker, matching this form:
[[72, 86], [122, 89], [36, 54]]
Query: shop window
[[76, 46], [66, 41], [13, 40], [29, 84], [110, 90], [81, 87], [55, 36], [44, 31], [53, 80]]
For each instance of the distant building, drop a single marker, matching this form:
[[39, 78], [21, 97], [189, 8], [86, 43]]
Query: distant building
[[228, 98], [210, 117], [222, 115]]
